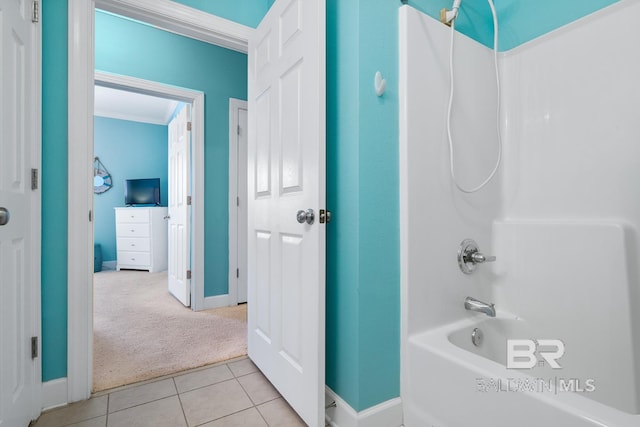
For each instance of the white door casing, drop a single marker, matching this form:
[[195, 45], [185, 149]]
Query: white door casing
[[243, 139], [238, 139], [163, 14], [179, 218], [286, 157], [19, 237]]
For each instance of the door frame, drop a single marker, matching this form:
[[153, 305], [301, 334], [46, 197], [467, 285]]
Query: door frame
[[169, 16], [196, 167], [235, 224]]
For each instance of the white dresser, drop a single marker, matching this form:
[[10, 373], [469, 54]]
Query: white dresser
[[141, 238]]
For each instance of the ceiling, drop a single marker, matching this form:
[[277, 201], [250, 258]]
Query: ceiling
[[120, 104]]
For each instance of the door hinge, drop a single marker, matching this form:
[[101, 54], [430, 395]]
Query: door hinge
[[34, 347], [34, 179], [188, 274], [238, 131], [90, 216], [35, 15], [237, 273], [325, 216], [237, 201], [188, 200], [189, 126]]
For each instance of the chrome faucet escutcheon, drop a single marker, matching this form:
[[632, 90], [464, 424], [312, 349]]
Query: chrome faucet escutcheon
[[469, 256], [473, 304]]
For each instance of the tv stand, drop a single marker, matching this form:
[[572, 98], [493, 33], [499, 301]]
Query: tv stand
[[141, 238]]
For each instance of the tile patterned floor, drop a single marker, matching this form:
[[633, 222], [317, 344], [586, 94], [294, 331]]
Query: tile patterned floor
[[223, 395]]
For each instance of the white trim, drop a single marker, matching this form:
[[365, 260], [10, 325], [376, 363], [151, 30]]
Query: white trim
[[54, 393], [385, 414], [36, 215], [109, 265], [133, 118], [80, 203], [80, 173], [234, 224], [183, 20], [216, 301]]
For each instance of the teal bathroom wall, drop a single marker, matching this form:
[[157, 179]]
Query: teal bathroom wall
[[363, 273], [246, 12], [54, 190], [129, 150], [363, 276], [362, 175]]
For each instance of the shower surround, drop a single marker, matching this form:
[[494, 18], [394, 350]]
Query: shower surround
[[561, 216]]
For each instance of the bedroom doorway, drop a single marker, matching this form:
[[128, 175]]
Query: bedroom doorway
[[233, 37], [140, 330]]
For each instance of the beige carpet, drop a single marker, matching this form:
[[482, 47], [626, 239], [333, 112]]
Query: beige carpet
[[140, 331]]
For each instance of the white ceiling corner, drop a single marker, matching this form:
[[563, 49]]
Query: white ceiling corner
[[125, 105]]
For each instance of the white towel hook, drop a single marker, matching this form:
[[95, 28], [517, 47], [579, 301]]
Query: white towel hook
[[379, 84]]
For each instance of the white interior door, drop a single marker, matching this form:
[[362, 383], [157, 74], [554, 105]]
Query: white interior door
[[242, 203], [19, 256], [179, 235], [286, 159]]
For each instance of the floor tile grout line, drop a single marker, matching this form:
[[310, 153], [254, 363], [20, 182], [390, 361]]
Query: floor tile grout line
[[208, 385], [203, 386], [184, 414], [247, 393], [262, 416], [144, 403], [228, 415], [106, 420], [82, 421]]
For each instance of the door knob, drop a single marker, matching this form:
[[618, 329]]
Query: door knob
[[305, 216], [4, 216], [167, 217]]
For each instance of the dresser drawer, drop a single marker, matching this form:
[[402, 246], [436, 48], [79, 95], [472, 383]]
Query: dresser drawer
[[132, 215], [132, 230], [133, 259], [138, 244]]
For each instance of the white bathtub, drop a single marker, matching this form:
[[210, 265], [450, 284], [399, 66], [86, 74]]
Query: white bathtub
[[453, 380]]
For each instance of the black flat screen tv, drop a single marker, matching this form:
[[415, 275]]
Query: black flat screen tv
[[142, 191]]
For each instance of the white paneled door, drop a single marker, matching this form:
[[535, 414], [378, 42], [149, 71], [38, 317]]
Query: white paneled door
[[179, 236], [19, 257], [286, 182], [241, 212]]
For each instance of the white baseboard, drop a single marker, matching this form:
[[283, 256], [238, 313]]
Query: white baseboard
[[385, 414], [54, 393], [109, 265], [216, 301]]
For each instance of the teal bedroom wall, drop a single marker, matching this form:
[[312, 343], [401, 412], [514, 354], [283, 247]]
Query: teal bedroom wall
[[129, 150], [130, 48]]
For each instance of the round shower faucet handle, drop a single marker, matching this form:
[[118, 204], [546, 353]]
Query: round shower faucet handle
[[469, 256]]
